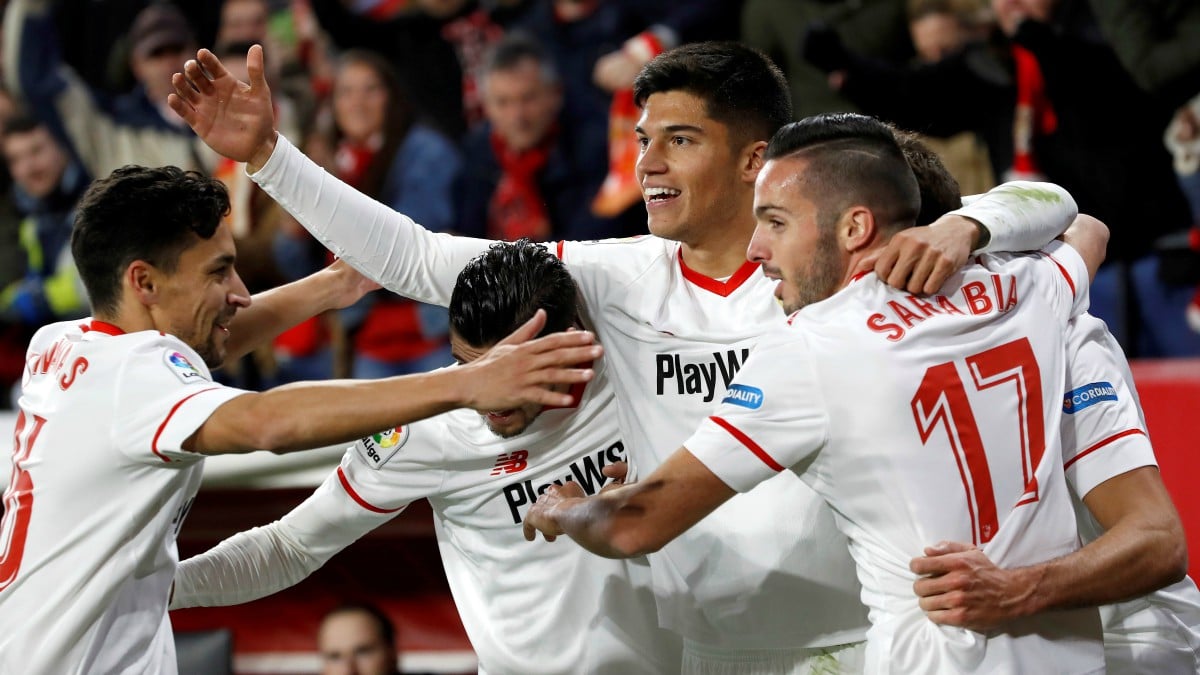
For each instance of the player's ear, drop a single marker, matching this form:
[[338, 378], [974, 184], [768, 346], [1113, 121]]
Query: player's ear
[[142, 279], [752, 160], [856, 228]]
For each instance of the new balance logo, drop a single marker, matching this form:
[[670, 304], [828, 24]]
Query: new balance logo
[[511, 463]]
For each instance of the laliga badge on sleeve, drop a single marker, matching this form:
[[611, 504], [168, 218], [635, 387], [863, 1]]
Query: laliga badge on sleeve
[[183, 369], [377, 449]]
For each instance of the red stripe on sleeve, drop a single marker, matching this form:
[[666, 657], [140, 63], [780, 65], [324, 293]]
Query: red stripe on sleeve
[[355, 496], [161, 427], [750, 445], [1070, 281], [1101, 444], [559, 248]]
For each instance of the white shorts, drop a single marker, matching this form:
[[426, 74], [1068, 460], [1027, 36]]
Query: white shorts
[[701, 659]]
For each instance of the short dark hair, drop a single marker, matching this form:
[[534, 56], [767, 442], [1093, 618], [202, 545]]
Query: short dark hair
[[387, 629], [503, 287], [141, 213], [741, 87], [940, 192], [515, 48], [852, 159], [21, 123]]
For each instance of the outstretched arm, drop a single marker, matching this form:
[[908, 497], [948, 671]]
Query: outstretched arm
[[303, 415], [236, 120], [1016, 216], [633, 519], [264, 560], [278, 309]]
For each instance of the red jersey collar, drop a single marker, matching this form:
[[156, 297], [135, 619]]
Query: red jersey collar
[[102, 327], [721, 288]]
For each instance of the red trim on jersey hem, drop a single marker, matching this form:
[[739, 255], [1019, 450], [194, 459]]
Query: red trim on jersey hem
[[721, 288], [354, 495], [860, 275], [103, 327], [161, 427], [1101, 444], [1067, 275], [750, 445]]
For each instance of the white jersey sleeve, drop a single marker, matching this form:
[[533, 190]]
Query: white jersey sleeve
[[1073, 271], [779, 422], [370, 487], [384, 245], [1021, 215], [164, 394], [1103, 430]]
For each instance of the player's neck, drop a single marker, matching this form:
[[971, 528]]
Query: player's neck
[[720, 253]]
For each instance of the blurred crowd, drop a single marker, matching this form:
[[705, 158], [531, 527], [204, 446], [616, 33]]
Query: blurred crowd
[[514, 118]]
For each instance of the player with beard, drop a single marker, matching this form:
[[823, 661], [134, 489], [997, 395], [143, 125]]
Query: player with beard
[[677, 311], [118, 411]]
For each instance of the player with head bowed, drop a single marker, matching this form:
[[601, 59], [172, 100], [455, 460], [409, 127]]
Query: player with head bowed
[[480, 473], [118, 411], [678, 311]]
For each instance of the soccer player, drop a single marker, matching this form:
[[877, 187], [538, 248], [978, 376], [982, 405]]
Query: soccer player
[[118, 411], [1104, 444], [915, 418], [678, 312], [480, 474]]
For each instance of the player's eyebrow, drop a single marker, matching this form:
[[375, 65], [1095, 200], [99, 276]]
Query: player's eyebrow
[[673, 129], [226, 259], [762, 209]]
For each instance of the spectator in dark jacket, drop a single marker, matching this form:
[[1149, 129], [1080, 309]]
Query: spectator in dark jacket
[[523, 172]]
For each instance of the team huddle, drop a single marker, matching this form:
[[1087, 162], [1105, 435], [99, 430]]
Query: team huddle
[[844, 420]]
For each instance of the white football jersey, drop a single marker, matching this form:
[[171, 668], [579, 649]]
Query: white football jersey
[[1104, 435], [922, 420], [528, 607], [100, 487], [673, 339]]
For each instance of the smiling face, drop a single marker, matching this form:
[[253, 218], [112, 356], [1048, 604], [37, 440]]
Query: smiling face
[[691, 175], [196, 301], [360, 100], [790, 241]]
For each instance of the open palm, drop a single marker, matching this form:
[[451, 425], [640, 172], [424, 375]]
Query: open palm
[[234, 118]]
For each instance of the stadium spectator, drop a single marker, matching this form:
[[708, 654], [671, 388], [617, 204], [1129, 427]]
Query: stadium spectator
[[382, 151], [525, 174], [357, 639], [46, 185], [106, 133]]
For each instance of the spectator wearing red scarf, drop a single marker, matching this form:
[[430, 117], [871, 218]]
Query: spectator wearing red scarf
[[523, 173], [379, 150]]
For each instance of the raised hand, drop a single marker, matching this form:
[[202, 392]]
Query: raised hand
[[520, 370], [235, 118]]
